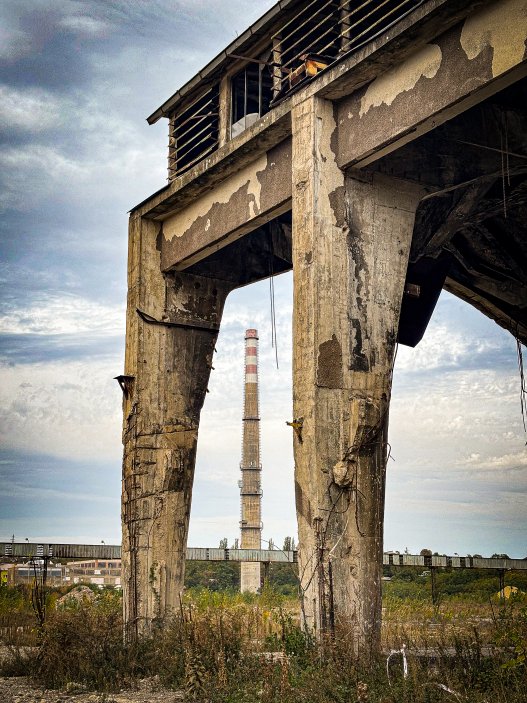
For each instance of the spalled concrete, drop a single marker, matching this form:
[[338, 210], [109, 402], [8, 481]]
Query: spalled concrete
[[396, 171], [351, 241]]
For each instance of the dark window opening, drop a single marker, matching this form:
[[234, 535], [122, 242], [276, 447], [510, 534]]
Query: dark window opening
[[251, 95], [193, 132], [320, 32]]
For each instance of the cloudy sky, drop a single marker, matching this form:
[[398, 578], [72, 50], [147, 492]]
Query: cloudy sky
[[77, 79]]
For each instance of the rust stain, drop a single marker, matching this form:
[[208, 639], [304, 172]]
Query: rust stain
[[337, 202], [329, 364], [303, 506], [159, 238], [359, 360]]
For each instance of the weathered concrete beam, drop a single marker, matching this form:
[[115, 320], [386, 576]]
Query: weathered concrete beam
[[344, 77], [169, 361], [456, 71], [241, 203], [235, 154], [351, 242]]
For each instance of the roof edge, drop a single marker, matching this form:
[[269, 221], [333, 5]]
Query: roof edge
[[217, 61]]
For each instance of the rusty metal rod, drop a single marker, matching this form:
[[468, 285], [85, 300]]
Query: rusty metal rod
[[179, 122], [204, 140], [186, 167], [184, 145], [337, 17], [366, 31], [294, 18], [177, 135], [312, 29]]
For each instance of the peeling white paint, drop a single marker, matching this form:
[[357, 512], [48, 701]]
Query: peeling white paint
[[255, 188], [402, 78], [180, 223], [502, 26], [325, 126]]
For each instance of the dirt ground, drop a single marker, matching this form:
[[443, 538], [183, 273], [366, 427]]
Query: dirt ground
[[21, 690]]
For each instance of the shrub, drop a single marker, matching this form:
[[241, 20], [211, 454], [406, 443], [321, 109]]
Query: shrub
[[84, 644], [233, 648]]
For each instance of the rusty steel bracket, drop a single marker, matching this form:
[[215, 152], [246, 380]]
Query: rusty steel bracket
[[126, 383], [184, 324], [297, 425]]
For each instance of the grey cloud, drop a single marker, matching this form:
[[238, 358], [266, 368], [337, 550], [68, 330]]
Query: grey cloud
[[30, 349], [73, 166], [44, 495]]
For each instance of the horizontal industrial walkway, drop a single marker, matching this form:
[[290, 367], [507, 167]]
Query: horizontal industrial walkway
[[29, 550]]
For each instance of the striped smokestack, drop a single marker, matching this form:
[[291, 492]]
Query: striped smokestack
[[250, 484]]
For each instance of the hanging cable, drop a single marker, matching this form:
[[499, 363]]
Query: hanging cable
[[504, 163], [274, 340], [523, 387], [507, 150]]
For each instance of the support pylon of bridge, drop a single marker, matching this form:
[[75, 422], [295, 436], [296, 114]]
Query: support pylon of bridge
[[351, 240], [251, 468], [172, 325]]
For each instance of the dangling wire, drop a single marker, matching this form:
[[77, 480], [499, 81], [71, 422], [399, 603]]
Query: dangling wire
[[523, 387], [505, 172], [507, 153], [503, 177], [274, 340]]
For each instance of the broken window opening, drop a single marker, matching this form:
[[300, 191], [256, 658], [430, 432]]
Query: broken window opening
[[251, 90], [194, 132]]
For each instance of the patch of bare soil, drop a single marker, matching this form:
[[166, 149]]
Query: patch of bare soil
[[21, 690]]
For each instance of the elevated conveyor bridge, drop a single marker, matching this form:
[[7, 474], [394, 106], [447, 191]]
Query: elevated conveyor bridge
[[32, 550]]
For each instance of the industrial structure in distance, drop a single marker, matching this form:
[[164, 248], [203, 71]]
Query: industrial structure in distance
[[251, 468]]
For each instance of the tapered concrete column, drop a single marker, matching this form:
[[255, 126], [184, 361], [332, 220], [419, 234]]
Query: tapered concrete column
[[172, 324], [351, 241]]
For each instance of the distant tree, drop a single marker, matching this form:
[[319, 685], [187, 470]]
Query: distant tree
[[289, 544], [500, 556], [224, 544], [270, 543], [283, 578], [215, 576], [426, 552], [236, 544]]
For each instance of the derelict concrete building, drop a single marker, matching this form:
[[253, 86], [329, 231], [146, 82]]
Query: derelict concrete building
[[378, 150]]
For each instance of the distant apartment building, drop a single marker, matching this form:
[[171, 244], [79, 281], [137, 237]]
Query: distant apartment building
[[15, 574], [98, 572]]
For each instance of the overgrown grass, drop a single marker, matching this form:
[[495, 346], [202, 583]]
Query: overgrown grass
[[229, 648]]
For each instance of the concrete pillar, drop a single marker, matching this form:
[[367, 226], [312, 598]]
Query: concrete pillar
[[170, 344], [351, 241]]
